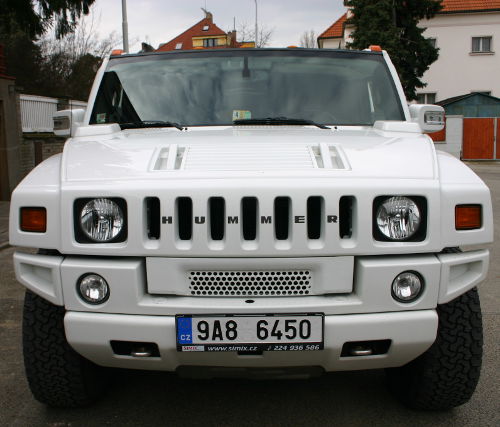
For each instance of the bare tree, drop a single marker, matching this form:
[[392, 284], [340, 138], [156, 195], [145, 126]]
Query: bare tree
[[84, 40], [246, 33], [308, 39], [69, 64]]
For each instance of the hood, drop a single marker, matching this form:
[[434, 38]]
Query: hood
[[261, 151]]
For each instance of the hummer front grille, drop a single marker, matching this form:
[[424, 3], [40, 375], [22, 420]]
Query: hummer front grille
[[248, 220]]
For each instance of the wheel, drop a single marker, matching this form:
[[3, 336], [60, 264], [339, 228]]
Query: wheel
[[446, 375], [57, 375]]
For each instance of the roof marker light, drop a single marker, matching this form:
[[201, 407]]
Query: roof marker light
[[116, 52], [375, 48]]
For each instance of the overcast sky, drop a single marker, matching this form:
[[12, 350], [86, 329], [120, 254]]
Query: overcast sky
[[158, 21]]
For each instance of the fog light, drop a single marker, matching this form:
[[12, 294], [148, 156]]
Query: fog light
[[93, 289], [407, 286]]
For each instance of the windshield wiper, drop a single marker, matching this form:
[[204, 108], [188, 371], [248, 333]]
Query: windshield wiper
[[150, 124], [278, 121]]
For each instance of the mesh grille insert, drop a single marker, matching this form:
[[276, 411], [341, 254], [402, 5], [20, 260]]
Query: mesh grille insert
[[250, 283]]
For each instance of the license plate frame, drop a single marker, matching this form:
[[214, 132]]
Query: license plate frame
[[184, 326]]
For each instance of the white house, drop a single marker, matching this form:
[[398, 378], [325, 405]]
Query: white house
[[467, 32]]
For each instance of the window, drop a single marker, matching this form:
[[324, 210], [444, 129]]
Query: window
[[205, 28], [324, 86], [481, 44], [178, 46], [209, 42], [426, 98], [433, 42]]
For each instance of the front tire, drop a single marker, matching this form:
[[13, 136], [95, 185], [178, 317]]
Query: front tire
[[57, 375], [446, 375]]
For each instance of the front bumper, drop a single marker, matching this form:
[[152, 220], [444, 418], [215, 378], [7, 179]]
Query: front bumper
[[411, 333], [446, 276], [368, 312]]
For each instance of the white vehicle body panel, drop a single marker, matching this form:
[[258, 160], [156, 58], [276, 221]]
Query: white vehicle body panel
[[89, 334]]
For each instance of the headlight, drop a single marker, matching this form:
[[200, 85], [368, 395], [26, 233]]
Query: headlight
[[101, 220], [398, 218]]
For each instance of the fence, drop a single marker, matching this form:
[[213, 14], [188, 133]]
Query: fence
[[470, 138], [36, 112]]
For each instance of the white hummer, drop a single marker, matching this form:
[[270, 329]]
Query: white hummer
[[268, 211]]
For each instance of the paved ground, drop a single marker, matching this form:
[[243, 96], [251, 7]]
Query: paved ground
[[149, 398]]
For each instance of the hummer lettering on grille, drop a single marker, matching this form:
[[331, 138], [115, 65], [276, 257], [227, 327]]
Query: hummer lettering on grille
[[298, 219]]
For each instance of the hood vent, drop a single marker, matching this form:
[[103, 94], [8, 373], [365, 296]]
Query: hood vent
[[170, 158], [327, 156], [249, 157]]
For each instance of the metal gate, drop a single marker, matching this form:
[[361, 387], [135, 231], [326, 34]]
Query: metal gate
[[481, 139]]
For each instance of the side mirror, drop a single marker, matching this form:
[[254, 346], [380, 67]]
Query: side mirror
[[430, 118], [66, 121]]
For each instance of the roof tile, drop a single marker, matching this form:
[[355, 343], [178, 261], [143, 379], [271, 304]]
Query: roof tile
[[336, 30], [469, 5]]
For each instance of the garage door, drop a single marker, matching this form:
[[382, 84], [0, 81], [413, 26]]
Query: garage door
[[479, 139]]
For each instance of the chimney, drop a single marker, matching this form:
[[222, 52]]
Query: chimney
[[208, 15], [145, 47], [231, 35]]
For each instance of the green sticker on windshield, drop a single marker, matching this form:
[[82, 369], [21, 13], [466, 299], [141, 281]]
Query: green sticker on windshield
[[100, 118], [241, 115]]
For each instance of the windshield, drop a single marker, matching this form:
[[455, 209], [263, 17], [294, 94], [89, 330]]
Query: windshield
[[231, 86]]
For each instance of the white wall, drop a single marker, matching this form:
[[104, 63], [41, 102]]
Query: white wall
[[332, 43], [457, 71], [454, 136]]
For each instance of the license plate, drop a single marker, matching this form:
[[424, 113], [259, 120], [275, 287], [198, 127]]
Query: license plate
[[250, 333]]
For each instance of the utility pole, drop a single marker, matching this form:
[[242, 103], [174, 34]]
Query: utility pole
[[256, 25], [125, 26]]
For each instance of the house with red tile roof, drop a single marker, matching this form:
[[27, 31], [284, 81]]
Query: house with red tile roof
[[204, 35], [333, 36], [467, 33]]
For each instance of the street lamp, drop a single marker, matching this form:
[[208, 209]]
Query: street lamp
[[124, 26], [256, 25]]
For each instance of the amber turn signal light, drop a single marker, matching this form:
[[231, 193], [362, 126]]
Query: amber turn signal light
[[467, 217], [34, 220]]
